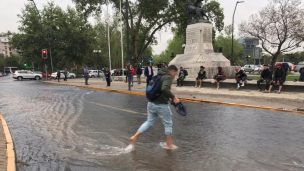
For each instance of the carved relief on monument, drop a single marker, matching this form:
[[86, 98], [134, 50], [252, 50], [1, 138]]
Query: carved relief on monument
[[207, 35]]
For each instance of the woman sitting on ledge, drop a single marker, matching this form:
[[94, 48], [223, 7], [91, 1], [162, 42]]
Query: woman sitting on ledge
[[219, 77]]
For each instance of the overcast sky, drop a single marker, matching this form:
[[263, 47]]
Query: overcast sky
[[9, 9]]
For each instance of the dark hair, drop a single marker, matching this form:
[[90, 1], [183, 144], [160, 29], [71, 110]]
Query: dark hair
[[172, 67], [202, 67], [220, 69]]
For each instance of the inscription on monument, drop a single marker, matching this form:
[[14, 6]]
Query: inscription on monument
[[207, 35]]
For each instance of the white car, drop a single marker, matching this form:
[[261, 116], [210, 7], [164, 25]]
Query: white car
[[70, 75], [94, 73], [299, 66], [24, 74], [252, 68]]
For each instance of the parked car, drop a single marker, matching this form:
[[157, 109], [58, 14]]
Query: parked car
[[94, 73], [70, 75], [252, 68], [299, 66], [118, 72], [25, 74], [1, 74], [43, 74]]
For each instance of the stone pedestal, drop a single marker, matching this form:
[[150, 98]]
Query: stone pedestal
[[199, 52]]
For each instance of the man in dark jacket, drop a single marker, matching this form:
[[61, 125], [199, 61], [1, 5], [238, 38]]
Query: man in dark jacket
[[279, 78], [160, 108], [58, 75], [107, 74], [301, 75], [138, 74], [149, 73], [65, 73], [266, 77], [181, 77], [86, 75]]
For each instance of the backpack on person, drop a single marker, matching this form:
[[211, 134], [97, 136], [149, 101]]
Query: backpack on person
[[186, 73], [153, 90]]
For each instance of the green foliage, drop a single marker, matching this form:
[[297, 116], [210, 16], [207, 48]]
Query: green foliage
[[9, 61], [143, 18], [174, 48], [224, 42], [66, 34], [292, 57]]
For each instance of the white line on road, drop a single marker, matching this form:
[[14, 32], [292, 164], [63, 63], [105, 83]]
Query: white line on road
[[117, 108]]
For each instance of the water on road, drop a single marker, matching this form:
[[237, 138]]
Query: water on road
[[65, 128]]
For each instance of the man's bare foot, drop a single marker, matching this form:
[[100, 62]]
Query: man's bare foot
[[165, 146], [133, 139]]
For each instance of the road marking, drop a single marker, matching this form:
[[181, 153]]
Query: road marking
[[117, 108]]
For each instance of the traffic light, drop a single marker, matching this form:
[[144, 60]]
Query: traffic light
[[44, 53]]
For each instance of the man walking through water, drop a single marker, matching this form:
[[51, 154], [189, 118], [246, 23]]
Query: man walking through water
[[160, 107]]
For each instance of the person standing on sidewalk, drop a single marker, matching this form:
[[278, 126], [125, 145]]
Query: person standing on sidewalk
[[149, 73], [266, 77], [159, 107], [86, 75], [108, 77], [130, 75], [65, 74], [200, 77], [181, 77], [58, 75], [138, 74]]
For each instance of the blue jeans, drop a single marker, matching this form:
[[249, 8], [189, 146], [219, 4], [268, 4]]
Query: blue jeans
[[162, 111]]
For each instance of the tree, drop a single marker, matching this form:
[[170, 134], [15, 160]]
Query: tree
[[174, 48], [66, 34], [279, 27], [143, 18], [223, 43]]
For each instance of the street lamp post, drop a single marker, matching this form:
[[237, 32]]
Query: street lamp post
[[97, 52], [121, 38], [109, 43], [232, 41]]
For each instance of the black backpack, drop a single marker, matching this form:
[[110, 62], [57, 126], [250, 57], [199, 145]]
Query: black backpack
[[153, 90], [186, 73]]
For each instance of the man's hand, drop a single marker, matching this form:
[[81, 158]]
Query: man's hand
[[176, 100]]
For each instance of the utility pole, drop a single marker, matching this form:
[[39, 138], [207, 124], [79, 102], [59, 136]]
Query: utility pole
[[121, 38], [232, 41], [109, 41], [128, 31]]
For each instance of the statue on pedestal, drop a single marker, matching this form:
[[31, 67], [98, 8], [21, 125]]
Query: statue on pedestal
[[196, 13]]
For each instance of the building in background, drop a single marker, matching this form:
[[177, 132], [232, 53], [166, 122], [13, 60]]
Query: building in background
[[252, 53], [5, 48]]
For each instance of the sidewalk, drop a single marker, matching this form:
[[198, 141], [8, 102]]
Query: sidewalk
[[3, 160], [285, 101]]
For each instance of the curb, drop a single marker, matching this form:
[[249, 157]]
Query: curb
[[10, 152], [137, 93]]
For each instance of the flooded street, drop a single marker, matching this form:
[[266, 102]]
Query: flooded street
[[61, 128]]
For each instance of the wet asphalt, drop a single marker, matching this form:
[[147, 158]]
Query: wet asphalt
[[65, 128]]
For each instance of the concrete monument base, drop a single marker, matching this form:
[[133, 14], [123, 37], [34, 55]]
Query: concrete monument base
[[199, 52]]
